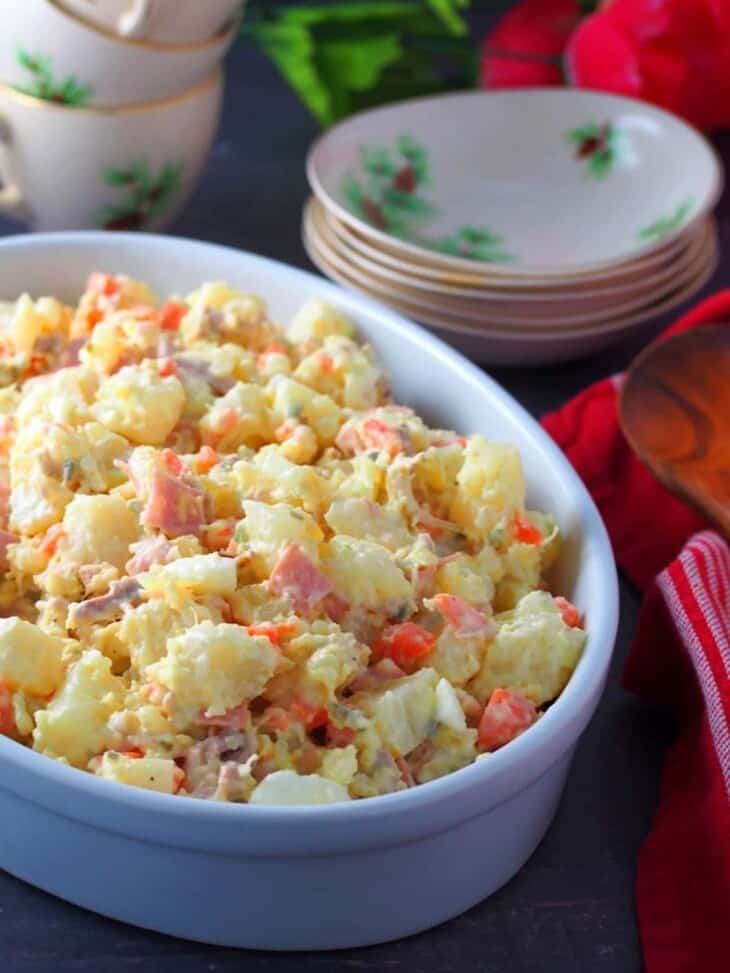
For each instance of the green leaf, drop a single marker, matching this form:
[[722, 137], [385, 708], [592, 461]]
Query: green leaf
[[601, 163], [352, 192], [414, 206], [584, 132], [446, 11], [479, 236], [342, 57], [377, 161]]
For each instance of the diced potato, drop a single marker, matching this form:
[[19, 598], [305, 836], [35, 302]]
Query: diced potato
[[202, 574], [138, 403], [269, 527], [215, 667], [336, 660], [405, 713], [74, 725], [63, 396], [534, 651], [151, 773], [239, 418], [457, 657], [461, 576], [97, 529], [30, 659], [358, 517], [363, 573], [490, 487], [316, 319], [293, 401], [340, 764], [285, 787]]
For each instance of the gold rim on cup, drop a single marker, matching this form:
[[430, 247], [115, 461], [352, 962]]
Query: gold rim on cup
[[141, 42], [31, 101]]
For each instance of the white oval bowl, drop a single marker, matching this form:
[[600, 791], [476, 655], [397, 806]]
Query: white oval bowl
[[323, 877], [503, 161]]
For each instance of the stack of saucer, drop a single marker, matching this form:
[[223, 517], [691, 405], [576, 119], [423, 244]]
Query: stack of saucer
[[108, 107], [525, 227]]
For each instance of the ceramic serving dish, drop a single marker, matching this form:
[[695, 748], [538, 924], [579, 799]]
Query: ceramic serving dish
[[561, 314], [490, 344], [547, 181], [127, 168], [163, 21], [312, 877], [636, 279], [532, 319], [489, 275], [48, 54]]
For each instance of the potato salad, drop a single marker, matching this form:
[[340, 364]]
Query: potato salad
[[234, 569]]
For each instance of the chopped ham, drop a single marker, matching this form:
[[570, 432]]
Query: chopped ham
[[105, 607], [237, 718], [69, 356], [174, 506], [6, 538], [297, 577], [335, 606], [463, 617], [152, 550], [405, 772], [197, 368], [376, 676]]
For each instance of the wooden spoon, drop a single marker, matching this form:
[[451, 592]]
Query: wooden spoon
[[674, 409]]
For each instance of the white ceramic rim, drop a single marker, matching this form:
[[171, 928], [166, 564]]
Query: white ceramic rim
[[559, 720], [505, 333], [507, 270], [501, 323], [492, 279], [673, 277], [220, 38], [324, 228]]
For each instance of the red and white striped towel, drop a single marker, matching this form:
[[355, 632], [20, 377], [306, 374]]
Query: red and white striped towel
[[681, 656]]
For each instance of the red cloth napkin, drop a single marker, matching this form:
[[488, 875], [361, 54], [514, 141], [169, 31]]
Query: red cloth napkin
[[681, 656]]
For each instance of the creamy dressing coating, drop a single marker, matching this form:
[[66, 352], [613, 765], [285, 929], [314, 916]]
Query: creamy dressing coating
[[234, 568]]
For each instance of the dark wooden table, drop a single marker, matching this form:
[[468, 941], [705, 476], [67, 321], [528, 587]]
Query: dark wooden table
[[570, 910]]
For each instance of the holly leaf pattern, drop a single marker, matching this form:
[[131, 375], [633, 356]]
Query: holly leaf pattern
[[147, 195], [662, 227], [387, 194], [601, 147], [43, 85]]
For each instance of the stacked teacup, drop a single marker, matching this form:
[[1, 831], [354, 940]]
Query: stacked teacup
[[108, 108]]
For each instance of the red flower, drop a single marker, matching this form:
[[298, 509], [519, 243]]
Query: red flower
[[527, 45], [674, 53]]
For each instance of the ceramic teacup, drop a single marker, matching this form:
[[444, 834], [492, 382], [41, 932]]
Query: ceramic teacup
[[163, 21], [51, 55], [125, 169]]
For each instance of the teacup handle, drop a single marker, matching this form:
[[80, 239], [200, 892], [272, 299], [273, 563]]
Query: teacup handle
[[132, 22], [11, 198]]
